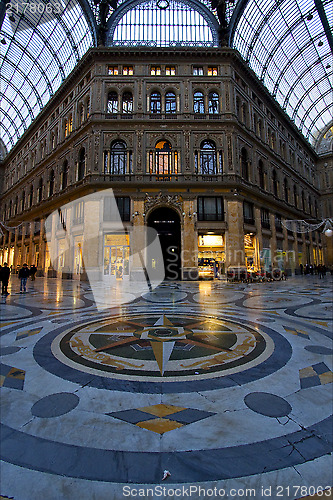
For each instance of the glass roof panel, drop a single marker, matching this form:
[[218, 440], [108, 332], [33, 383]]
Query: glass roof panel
[[39, 52], [180, 24], [285, 43]]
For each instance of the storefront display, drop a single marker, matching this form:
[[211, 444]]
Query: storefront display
[[116, 255], [211, 256]]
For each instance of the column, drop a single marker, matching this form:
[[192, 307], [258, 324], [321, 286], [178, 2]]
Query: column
[[273, 240], [189, 242], [235, 253], [42, 247], [92, 244], [138, 242], [259, 243]]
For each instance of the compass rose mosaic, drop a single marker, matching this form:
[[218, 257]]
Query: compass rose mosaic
[[162, 347]]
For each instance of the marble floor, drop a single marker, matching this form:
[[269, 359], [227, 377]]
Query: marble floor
[[193, 390]]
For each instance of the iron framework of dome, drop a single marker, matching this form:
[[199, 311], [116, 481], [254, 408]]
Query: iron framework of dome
[[288, 43]]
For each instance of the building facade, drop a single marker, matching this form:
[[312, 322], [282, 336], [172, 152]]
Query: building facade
[[191, 143]]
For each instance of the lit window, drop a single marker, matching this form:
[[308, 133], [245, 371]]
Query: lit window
[[127, 102], [163, 161], [112, 103], [155, 102], [128, 70], [198, 103], [213, 103], [155, 70], [212, 71], [198, 71], [208, 158], [70, 124], [65, 129], [170, 102], [113, 70], [170, 70], [118, 158]]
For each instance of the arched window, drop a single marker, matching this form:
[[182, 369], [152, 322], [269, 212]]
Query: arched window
[[163, 25], [31, 195], [65, 133], [244, 113], [261, 174], [127, 102], [70, 124], [64, 180], [275, 183], [51, 183], [81, 164], [81, 113], [295, 196], [198, 103], [259, 130], [112, 103], [286, 189], [208, 158], [163, 161], [155, 102], [170, 102], [244, 164], [40, 190], [23, 202], [87, 108], [238, 107], [213, 103], [118, 158]]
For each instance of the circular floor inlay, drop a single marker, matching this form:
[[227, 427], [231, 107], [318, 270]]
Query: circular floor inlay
[[267, 404], [319, 349], [159, 347], [55, 405]]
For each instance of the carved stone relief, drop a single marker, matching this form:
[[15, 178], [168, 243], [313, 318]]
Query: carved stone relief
[[164, 199]]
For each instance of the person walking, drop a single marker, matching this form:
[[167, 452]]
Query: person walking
[[5, 273], [24, 275], [33, 271]]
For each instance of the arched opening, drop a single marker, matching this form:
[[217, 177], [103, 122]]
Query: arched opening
[[166, 222], [163, 24]]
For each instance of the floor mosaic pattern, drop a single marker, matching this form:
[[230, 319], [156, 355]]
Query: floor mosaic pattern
[[212, 384]]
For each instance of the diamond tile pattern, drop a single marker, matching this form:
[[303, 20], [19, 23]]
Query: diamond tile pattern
[[169, 417], [27, 333], [11, 377], [318, 374], [298, 333]]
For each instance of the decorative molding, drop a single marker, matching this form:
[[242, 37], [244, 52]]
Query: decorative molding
[[163, 199]]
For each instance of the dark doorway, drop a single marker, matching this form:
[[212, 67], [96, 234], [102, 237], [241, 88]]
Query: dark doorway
[[167, 224]]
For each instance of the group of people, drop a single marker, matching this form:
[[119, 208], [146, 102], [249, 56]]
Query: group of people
[[310, 269], [23, 275]]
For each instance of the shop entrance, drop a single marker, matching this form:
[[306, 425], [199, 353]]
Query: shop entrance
[[167, 224], [116, 255]]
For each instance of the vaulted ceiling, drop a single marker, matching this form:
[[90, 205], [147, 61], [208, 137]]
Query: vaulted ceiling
[[288, 43]]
